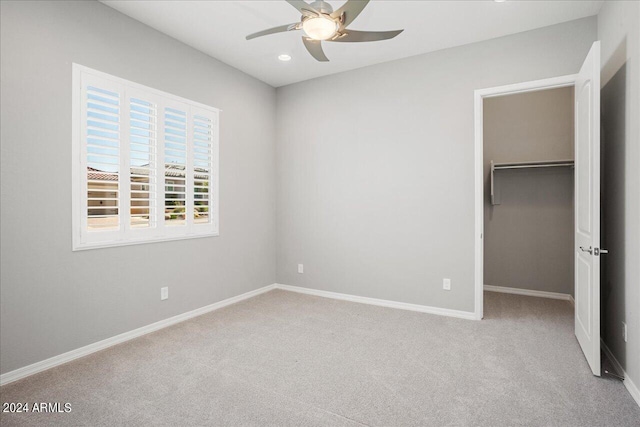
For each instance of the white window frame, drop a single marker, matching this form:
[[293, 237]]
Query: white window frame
[[126, 235]]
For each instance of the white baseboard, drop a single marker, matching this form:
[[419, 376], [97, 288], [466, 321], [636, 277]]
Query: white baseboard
[[118, 339], [528, 292], [381, 302], [631, 387]]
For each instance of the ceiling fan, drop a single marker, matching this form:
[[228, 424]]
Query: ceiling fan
[[321, 23]]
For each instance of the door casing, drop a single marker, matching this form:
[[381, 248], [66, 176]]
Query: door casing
[[479, 96]]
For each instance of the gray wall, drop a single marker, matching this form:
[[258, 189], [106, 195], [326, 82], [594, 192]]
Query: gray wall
[[375, 185], [528, 238], [54, 300], [619, 31]]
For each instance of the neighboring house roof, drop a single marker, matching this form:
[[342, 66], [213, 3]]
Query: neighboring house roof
[[170, 170], [98, 175]]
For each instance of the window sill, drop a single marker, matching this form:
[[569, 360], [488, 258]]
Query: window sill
[[100, 245]]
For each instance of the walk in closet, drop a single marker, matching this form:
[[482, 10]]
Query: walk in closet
[[529, 186]]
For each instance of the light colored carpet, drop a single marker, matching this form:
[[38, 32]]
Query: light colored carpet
[[286, 359]]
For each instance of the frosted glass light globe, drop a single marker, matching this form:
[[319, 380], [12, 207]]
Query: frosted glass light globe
[[320, 28]]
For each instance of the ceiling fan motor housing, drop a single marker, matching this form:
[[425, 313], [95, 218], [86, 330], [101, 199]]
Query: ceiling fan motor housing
[[322, 7]]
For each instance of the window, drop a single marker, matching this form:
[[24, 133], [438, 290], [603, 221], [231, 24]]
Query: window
[[145, 163]]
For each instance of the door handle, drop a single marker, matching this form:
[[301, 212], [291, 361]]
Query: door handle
[[594, 251]]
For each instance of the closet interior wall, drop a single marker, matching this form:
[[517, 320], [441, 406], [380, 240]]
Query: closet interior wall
[[528, 237]]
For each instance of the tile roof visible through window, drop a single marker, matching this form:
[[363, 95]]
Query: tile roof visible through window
[[171, 170], [98, 175]]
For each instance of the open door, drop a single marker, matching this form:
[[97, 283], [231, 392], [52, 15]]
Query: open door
[[587, 208]]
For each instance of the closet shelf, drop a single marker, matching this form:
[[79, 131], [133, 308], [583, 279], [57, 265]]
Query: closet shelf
[[525, 165]]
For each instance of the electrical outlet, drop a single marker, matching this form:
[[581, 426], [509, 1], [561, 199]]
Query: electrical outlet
[[164, 293], [300, 268], [446, 284], [624, 331]]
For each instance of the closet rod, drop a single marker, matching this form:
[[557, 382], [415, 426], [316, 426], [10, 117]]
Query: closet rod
[[532, 166], [537, 164]]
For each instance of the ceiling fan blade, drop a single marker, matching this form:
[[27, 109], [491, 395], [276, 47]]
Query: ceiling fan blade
[[303, 7], [274, 30], [365, 36], [351, 10], [315, 49]]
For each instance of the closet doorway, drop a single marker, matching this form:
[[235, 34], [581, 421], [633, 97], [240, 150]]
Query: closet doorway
[[537, 194], [528, 168]]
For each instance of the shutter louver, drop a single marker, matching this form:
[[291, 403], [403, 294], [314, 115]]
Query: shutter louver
[[103, 159], [142, 160], [175, 162], [202, 168]]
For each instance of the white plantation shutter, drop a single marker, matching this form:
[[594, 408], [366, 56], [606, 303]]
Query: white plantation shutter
[[204, 162], [145, 164], [143, 117], [102, 154], [175, 166]]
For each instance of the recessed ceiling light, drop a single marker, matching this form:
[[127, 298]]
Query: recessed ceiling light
[[284, 57], [499, 1]]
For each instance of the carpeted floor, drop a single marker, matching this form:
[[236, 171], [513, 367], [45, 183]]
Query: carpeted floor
[[287, 359]]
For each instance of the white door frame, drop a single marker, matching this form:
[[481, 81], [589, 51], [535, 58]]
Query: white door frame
[[479, 96]]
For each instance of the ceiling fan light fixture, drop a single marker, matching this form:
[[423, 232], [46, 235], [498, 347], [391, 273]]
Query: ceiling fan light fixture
[[320, 28], [320, 22]]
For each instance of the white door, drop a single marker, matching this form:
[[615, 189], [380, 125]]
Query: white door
[[587, 208]]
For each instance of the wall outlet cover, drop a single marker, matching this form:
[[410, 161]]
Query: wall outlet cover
[[300, 268], [446, 284], [164, 293]]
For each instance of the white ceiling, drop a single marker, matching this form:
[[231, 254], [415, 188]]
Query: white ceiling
[[218, 28]]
